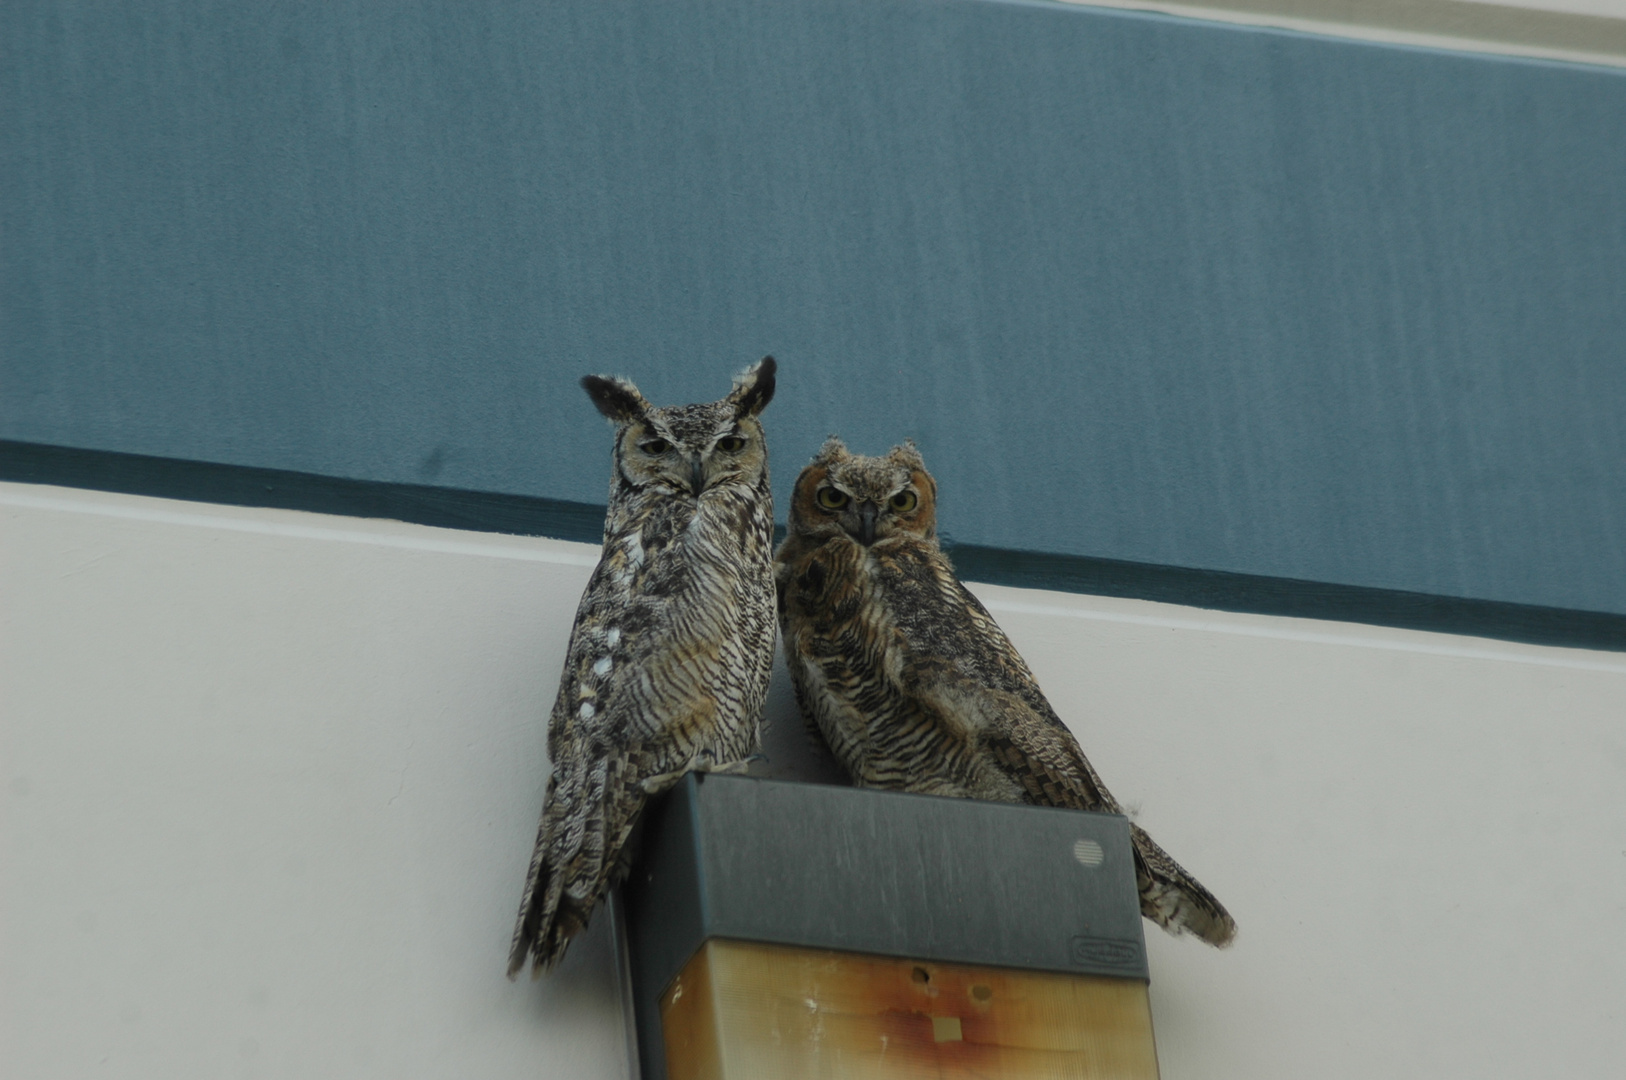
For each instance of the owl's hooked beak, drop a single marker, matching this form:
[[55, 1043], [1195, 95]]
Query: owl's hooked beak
[[697, 476], [867, 512]]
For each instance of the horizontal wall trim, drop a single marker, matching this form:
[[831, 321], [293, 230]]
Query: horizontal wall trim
[[237, 485], [1220, 590], [242, 485]]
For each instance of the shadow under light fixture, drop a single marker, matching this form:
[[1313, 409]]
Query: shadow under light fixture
[[785, 930]]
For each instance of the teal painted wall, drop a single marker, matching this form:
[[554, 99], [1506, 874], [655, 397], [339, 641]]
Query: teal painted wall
[[1142, 288]]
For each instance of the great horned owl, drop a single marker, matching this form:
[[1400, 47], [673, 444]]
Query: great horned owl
[[911, 681], [669, 657]]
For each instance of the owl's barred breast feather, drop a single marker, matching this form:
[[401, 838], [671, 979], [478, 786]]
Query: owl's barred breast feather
[[668, 664], [914, 685]]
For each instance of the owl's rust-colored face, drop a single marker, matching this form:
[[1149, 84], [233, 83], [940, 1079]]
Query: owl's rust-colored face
[[688, 449], [870, 499]]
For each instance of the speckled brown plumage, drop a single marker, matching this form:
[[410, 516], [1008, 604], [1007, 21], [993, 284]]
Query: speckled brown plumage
[[911, 681], [668, 664]]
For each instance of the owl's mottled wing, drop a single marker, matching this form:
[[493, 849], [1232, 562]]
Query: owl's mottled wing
[[963, 669], [636, 703], [973, 681]]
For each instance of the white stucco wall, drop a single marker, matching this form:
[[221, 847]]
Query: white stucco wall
[[269, 781]]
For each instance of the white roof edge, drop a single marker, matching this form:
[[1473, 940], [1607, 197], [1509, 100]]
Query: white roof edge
[[1456, 25]]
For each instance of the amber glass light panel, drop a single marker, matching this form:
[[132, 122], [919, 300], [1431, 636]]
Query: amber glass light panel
[[744, 1011]]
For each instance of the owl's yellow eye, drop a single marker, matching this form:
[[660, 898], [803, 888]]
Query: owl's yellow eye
[[731, 444], [831, 499], [904, 501], [655, 446]]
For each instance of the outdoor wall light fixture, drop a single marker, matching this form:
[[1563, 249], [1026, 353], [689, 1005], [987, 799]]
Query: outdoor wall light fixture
[[797, 930]]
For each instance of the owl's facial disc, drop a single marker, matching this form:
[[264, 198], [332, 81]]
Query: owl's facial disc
[[693, 449], [864, 500], [688, 449], [887, 514], [733, 453], [887, 507], [867, 515]]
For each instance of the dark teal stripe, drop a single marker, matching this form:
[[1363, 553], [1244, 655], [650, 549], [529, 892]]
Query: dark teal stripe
[[280, 489], [237, 485], [1222, 591]]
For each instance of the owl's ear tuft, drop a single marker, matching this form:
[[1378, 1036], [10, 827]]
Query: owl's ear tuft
[[754, 387], [832, 451], [908, 456], [617, 399]]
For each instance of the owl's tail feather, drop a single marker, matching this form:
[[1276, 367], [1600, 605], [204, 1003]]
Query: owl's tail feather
[[583, 849], [1174, 899], [532, 915]]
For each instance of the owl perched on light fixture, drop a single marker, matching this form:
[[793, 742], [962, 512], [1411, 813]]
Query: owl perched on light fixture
[[911, 681], [667, 670]]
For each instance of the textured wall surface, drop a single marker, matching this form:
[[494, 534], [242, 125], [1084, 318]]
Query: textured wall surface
[[269, 782], [1142, 288]]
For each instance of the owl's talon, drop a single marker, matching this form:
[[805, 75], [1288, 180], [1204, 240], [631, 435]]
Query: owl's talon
[[729, 768], [654, 785]]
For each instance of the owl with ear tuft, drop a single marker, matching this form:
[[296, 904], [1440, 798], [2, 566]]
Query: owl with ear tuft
[[668, 663], [911, 681]]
